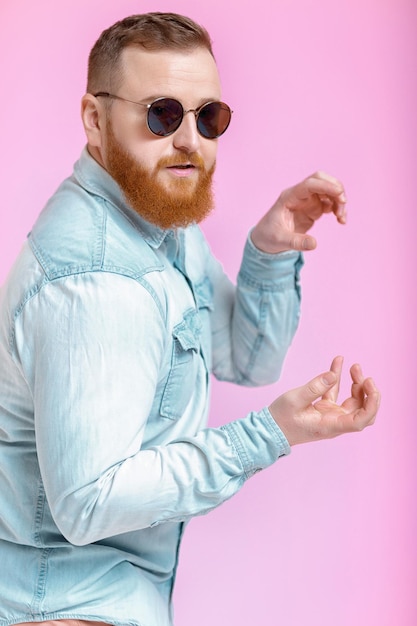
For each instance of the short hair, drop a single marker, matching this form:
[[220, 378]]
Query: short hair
[[151, 31]]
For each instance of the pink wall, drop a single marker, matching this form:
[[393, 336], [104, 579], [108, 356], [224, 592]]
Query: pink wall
[[327, 536]]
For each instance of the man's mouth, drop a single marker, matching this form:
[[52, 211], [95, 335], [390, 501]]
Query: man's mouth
[[181, 167], [182, 170]]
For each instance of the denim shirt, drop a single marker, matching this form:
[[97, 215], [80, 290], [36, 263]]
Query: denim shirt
[[109, 331]]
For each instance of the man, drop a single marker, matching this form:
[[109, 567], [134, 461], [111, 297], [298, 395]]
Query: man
[[112, 319]]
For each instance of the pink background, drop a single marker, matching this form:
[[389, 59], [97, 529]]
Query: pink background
[[327, 536]]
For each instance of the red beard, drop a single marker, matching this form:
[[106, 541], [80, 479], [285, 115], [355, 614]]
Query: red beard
[[183, 203]]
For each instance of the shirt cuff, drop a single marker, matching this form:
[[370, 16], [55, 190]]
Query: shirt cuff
[[258, 441], [267, 270]]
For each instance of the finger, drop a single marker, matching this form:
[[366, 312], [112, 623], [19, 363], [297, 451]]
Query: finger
[[327, 204], [322, 183], [337, 185], [321, 196], [336, 367], [331, 193], [320, 174], [357, 390], [315, 388], [340, 212], [356, 373], [339, 209], [334, 205], [371, 391], [363, 410], [357, 393], [314, 187], [357, 396], [297, 241], [366, 415]]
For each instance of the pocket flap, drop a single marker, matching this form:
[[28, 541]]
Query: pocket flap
[[188, 331]]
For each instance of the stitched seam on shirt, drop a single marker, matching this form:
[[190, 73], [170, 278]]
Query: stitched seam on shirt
[[39, 594], [40, 506], [100, 246], [239, 447], [92, 617], [275, 431], [259, 337], [42, 259], [28, 296], [284, 284], [96, 264], [74, 270], [153, 294]]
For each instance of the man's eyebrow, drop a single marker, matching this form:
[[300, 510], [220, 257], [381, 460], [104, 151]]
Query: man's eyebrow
[[152, 98]]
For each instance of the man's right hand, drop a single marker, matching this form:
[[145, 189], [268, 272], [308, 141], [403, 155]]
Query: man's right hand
[[286, 224]]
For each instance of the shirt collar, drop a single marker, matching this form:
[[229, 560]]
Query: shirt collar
[[97, 181]]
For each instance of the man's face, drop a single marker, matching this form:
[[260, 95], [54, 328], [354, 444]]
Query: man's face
[[166, 179]]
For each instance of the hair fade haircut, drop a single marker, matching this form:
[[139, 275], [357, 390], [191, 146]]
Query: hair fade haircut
[[151, 31]]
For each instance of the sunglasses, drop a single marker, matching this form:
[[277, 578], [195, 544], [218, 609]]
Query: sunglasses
[[166, 114]]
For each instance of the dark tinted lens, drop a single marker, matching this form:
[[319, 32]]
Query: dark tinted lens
[[164, 116], [213, 119]]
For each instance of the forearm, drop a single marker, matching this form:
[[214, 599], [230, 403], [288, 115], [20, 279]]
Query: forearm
[[249, 347], [188, 477]]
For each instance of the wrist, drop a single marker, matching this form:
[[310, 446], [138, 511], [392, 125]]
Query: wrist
[[267, 244]]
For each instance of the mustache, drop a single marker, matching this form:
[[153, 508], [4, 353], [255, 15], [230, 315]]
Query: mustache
[[181, 159]]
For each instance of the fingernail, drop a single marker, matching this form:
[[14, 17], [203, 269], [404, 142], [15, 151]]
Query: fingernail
[[308, 244], [329, 378]]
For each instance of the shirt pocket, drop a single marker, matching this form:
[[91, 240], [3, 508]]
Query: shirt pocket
[[181, 379]]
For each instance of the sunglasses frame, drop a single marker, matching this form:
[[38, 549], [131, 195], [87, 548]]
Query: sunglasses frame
[[105, 94]]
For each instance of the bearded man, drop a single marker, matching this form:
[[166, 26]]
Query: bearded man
[[112, 320]]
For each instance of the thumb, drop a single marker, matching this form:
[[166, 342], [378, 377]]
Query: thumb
[[298, 241], [316, 387]]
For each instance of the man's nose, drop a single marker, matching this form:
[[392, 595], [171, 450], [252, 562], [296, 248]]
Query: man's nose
[[187, 138]]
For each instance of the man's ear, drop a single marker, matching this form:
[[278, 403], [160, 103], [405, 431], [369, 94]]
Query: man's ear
[[93, 117]]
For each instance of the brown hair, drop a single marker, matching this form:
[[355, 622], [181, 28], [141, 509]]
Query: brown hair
[[152, 31]]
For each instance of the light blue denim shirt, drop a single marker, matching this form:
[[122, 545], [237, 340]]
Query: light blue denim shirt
[[109, 329]]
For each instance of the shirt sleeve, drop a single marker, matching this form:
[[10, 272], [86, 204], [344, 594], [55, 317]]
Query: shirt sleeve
[[92, 367], [253, 324]]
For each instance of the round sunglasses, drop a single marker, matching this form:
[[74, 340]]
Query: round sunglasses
[[166, 114]]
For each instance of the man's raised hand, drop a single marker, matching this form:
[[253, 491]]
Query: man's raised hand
[[285, 225]]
